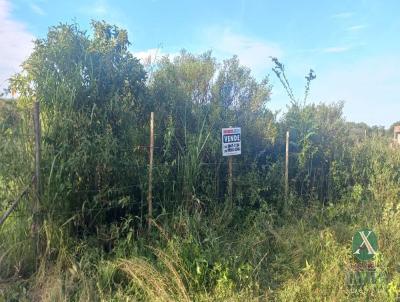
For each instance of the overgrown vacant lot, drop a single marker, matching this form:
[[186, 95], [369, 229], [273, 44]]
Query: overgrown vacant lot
[[83, 232]]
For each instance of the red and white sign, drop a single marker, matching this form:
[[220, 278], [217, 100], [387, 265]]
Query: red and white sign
[[231, 141]]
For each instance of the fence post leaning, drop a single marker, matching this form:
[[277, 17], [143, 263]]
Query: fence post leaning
[[15, 203]]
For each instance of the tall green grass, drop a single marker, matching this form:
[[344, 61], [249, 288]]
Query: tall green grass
[[194, 257]]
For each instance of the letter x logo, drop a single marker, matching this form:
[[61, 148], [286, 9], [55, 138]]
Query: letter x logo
[[365, 244]]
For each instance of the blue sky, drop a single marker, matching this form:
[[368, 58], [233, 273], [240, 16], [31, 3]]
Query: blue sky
[[353, 46]]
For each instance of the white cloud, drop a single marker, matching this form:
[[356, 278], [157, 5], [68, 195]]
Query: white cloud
[[105, 10], [342, 15], [149, 56], [100, 8], [37, 9], [16, 44], [336, 49], [252, 52], [356, 27]]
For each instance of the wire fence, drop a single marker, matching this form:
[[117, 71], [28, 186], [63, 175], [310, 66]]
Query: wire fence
[[123, 191], [57, 213]]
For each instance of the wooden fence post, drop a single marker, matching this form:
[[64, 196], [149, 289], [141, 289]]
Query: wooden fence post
[[230, 177], [36, 206], [150, 192], [37, 128], [287, 167]]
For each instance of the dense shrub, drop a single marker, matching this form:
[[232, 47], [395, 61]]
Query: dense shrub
[[96, 99]]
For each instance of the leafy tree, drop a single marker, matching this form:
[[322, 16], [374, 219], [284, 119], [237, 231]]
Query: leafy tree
[[91, 91], [194, 98]]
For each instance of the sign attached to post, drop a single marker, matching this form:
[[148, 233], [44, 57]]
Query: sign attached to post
[[231, 141]]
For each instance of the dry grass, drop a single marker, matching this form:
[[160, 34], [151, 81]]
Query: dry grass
[[164, 284]]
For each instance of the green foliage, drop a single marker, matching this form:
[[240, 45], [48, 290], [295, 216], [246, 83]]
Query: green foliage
[[320, 150], [95, 101], [91, 95]]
